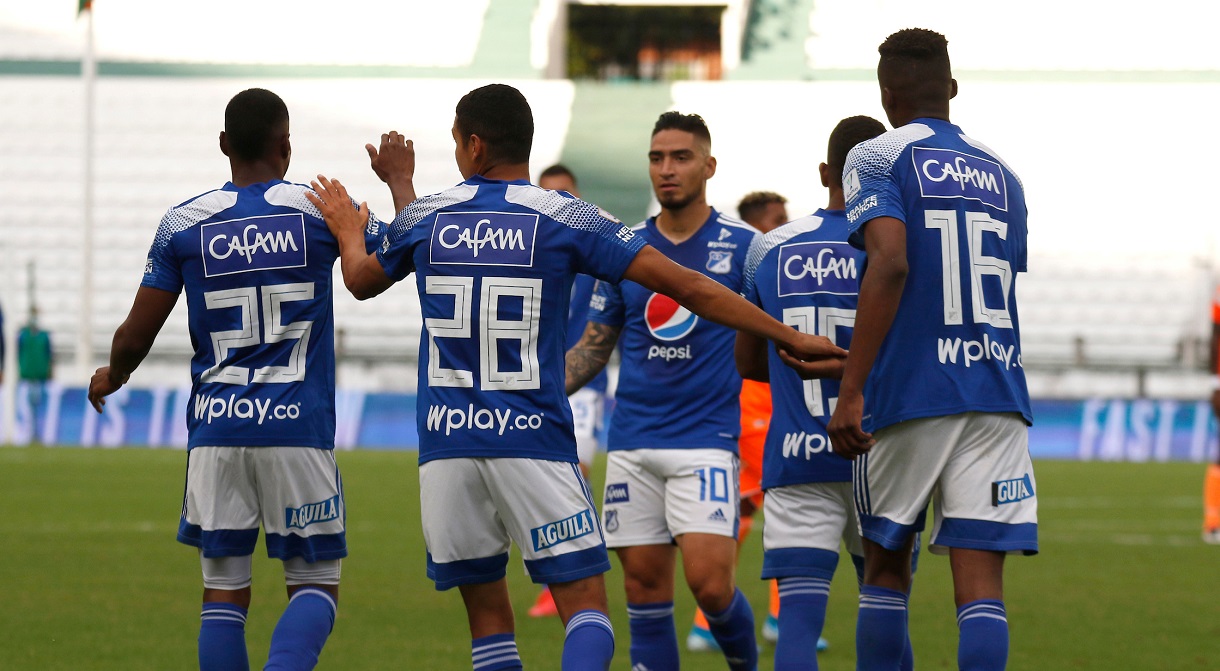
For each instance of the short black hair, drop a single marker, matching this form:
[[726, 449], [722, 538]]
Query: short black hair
[[253, 118], [502, 118], [691, 123], [914, 56], [847, 134], [559, 170], [756, 201]]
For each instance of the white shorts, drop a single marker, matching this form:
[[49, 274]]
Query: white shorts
[[474, 508], [655, 495], [587, 406], [295, 493], [973, 467], [803, 525]]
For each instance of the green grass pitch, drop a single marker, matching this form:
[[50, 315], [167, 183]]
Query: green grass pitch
[[94, 579]]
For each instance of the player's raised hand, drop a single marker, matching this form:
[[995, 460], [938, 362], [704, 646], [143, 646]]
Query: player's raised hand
[[847, 436], [101, 386], [331, 199], [395, 159]]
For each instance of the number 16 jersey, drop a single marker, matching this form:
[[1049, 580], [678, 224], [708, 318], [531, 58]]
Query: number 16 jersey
[[955, 343]]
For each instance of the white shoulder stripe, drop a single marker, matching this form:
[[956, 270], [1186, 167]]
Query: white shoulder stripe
[[734, 222], [979, 145]]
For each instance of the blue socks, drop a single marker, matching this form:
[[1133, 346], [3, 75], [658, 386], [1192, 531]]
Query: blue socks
[[733, 629], [589, 642], [495, 653], [222, 638], [983, 636], [654, 640], [881, 629], [802, 614], [302, 631]]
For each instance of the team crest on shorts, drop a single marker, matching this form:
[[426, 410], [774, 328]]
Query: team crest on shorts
[[720, 263], [611, 520]]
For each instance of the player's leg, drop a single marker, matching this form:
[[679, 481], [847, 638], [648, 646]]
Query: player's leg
[[220, 516], [304, 516], [701, 508], [892, 484], [854, 544], [548, 511], [1211, 504], [633, 516], [467, 546], [804, 523], [986, 506]]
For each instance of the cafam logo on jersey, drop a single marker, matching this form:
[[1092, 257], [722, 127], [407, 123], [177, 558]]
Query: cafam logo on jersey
[[255, 243], [945, 173], [484, 238], [817, 268]]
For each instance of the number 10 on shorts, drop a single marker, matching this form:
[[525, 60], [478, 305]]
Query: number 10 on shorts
[[713, 484]]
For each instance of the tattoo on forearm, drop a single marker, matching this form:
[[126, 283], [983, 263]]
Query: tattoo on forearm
[[588, 357]]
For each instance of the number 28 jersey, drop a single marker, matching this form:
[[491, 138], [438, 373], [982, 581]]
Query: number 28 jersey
[[955, 342], [494, 264], [256, 264]]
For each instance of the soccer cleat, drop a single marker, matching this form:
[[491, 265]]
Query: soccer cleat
[[823, 644], [1211, 536], [701, 640], [544, 606], [770, 629]]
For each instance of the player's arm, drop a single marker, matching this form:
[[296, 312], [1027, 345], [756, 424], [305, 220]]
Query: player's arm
[[362, 273], [394, 164], [711, 300], [132, 341], [589, 355], [885, 241], [750, 353]]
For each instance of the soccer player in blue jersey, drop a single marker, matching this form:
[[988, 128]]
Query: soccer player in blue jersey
[[933, 403], [255, 259], [495, 259], [806, 274], [672, 476], [588, 403]]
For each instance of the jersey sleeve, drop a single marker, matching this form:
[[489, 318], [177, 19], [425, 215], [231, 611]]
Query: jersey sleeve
[[606, 306], [749, 289], [870, 187], [162, 270], [374, 231], [604, 246]]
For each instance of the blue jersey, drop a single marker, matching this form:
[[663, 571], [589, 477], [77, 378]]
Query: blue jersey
[[578, 317], [805, 275], [494, 263], [256, 263], [955, 344], [678, 385]]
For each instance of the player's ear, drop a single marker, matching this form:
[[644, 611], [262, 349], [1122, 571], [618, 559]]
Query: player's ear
[[224, 144], [711, 167], [285, 147], [824, 173], [952, 89]]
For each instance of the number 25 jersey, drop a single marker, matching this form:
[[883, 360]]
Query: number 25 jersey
[[256, 263], [955, 343]]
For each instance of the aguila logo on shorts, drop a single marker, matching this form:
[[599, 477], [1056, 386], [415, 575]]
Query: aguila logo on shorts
[[944, 173], [312, 513], [617, 493], [549, 535], [667, 320], [808, 268], [1011, 491], [255, 243], [484, 238]]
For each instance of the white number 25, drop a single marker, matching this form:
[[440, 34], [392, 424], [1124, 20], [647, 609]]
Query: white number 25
[[245, 299]]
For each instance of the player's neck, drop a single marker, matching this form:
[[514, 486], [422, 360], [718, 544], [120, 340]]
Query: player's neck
[[924, 112], [837, 202], [506, 172], [679, 225], [245, 174]]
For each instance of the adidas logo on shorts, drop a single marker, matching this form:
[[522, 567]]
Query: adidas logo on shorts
[[717, 516]]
